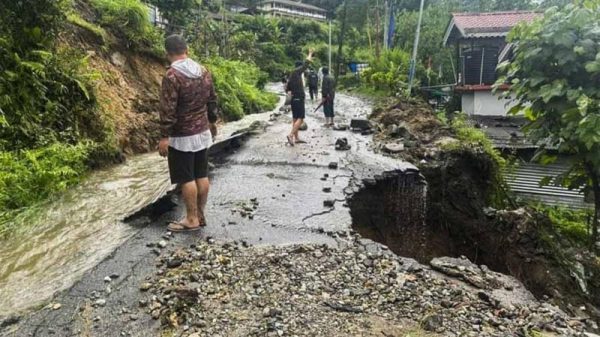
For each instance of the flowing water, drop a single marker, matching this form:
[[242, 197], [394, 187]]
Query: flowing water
[[70, 234]]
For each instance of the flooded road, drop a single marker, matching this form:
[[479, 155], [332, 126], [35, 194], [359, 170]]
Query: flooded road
[[63, 238]]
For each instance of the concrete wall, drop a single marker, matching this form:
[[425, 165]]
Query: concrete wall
[[484, 103]]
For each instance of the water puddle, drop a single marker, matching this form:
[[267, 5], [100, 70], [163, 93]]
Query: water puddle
[[63, 238]]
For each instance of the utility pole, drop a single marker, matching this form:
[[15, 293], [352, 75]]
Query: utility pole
[[341, 40], [377, 28], [413, 60], [330, 44], [386, 16]]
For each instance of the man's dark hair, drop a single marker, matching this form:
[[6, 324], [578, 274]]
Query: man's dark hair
[[325, 71], [175, 45]]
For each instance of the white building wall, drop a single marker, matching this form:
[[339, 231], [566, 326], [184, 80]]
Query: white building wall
[[485, 103]]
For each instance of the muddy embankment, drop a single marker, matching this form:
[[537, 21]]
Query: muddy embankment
[[128, 82], [443, 211]]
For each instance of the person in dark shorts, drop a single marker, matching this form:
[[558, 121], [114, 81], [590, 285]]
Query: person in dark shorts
[[313, 84], [295, 88], [328, 92], [187, 123]]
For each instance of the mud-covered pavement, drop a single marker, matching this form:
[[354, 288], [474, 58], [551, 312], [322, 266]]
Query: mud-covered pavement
[[265, 193]]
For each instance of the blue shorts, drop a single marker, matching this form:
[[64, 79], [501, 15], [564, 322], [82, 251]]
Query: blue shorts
[[328, 109]]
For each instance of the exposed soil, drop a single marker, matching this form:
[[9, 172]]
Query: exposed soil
[[128, 86]]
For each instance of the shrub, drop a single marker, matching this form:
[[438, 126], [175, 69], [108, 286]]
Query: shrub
[[130, 19], [388, 73], [45, 97], [475, 140], [97, 31], [237, 84], [29, 176], [572, 223]]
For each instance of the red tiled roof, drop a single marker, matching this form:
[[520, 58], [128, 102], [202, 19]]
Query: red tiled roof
[[496, 22], [485, 25]]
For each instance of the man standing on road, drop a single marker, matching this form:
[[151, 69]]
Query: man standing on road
[[328, 92], [313, 84], [295, 88], [187, 123]]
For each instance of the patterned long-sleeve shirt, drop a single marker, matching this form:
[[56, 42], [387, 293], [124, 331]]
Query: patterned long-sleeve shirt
[[185, 102]]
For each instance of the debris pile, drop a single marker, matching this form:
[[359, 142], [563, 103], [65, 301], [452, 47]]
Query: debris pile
[[408, 128], [308, 290]]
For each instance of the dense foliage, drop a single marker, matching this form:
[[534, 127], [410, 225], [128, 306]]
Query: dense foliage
[[272, 44], [555, 78], [238, 87], [129, 19]]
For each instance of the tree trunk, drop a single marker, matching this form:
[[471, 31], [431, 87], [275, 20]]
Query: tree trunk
[[341, 40]]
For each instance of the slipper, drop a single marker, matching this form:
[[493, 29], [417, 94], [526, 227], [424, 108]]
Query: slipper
[[290, 140], [202, 220], [300, 142], [180, 227]]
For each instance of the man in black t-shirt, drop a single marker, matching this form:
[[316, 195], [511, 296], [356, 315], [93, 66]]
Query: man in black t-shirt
[[295, 88]]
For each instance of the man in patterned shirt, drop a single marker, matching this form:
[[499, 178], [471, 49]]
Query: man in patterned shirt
[[187, 123]]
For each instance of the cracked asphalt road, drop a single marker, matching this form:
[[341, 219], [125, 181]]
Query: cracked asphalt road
[[289, 191]]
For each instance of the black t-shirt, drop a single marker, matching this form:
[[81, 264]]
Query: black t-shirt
[[295, 84]]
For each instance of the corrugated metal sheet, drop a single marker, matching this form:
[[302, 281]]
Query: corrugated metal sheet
[[524, 181]]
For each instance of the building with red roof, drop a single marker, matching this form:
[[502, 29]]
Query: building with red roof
[[480, 42]]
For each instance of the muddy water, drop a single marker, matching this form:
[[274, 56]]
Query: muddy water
[[65, 237]]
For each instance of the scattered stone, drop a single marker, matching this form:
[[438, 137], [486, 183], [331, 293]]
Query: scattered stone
[[145, 286], [118, 59], [333, 165], [100, 302], [327, 189], [329, 203], [114, 276], [432, 322], [107, 279], [360, 124], [162, 244], [341, 127], [343, 307], [174, 263], [394, 147], [56, 306], [341, 144]]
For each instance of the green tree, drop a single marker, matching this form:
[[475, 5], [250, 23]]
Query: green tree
[[178, 12], [555, 77]]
